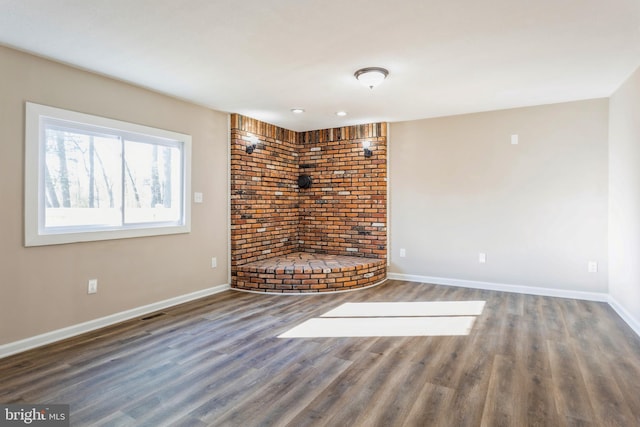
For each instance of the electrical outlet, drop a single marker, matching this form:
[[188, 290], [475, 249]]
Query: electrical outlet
[[592, 267], [403, 253], [214, 262], [92, 286], [197, 197], [482, 257]]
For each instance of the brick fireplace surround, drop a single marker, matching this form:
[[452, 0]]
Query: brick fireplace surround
[[329, 237]]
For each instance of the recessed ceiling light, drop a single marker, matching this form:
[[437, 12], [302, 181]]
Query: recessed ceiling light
[[297, 110], [341, 113]]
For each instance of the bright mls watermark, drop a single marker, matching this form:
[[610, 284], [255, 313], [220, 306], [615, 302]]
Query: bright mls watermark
[[34, 415]]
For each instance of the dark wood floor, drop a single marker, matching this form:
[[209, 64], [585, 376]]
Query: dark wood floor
[[529, 361]]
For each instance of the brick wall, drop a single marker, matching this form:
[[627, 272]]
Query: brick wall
[[264, 191], [343, 213]]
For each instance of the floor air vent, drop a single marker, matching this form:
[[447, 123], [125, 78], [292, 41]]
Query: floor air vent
[[153, 316]]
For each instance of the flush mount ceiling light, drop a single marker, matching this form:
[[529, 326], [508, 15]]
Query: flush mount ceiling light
[[341, 113], [297, 110], [371, 76]]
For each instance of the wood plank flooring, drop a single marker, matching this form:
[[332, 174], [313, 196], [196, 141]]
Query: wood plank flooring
[[528, 361]]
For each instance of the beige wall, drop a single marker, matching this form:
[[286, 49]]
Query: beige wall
[[537, 209], [44, 288], [624, 196]]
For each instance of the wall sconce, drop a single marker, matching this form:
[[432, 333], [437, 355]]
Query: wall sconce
[[367, 151], [252, 144]]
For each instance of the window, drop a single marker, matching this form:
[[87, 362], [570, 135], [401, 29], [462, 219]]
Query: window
[[91, 178]]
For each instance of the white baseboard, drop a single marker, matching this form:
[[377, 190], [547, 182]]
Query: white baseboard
[[633, 322], [503, 287], [70, 331]]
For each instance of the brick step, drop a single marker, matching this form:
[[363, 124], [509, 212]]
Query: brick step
[[303, 272]]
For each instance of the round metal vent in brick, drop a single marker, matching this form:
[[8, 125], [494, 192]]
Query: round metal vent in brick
[[304, 181]]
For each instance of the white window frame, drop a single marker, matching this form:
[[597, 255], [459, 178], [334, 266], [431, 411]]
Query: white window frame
[[35, 233]]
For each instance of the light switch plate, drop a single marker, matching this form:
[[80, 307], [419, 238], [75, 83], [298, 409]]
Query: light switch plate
[[92, 286]]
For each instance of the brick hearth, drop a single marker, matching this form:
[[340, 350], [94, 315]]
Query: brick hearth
[[303, 272]]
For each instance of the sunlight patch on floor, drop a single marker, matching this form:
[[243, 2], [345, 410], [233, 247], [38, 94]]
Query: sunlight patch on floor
[[392, 319], [381, 327], [407, 309]]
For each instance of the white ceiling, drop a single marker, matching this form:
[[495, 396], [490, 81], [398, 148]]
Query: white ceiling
[[263, 57]]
